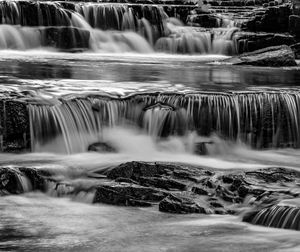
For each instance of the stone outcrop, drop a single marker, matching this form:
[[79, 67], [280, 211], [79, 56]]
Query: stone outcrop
[[271, 18], [181, 205], [16, 180], [296, 49], [176, 188], [277, 56], [14, 126], [251, 41], [127, 194]]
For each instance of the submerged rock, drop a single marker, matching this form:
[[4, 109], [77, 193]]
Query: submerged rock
[[101, 147], [276, 56]]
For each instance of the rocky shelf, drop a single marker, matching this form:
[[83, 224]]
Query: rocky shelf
[[268, 196]]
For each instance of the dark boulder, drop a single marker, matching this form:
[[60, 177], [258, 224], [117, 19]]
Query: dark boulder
[[201, 148], [126, 194], [294, 25], [134, 170], [14, 126], [251, 41], [277, 56], [18, 180], [181, 205], [296, 49], [10, 181], [101, 147], [163, 182], [274, 175]]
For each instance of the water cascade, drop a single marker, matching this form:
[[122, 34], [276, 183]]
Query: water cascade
[[277, 216], [105, 27], [259, 119], [191, 40]]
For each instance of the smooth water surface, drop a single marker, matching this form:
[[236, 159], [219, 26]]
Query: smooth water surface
[[65, 73]]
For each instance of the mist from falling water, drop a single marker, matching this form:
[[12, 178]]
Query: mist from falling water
[[134, 145]]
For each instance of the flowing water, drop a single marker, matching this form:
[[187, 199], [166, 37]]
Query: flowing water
[[44, 222], [127, 86]]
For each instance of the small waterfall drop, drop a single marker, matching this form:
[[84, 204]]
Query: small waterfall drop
[[192, 40], [105, 27], [262, 120], [287, 217]]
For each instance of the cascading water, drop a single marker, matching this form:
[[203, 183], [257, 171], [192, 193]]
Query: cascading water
[[103, 27], [191, 40], [171, 133], [28, 25], [277, 216], [259, 119]]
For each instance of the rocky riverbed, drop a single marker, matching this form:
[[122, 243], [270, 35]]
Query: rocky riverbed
[[176, 188]]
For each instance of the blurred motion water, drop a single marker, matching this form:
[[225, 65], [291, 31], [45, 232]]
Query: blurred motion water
[[36, 221]]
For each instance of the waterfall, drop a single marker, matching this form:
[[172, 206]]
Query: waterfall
[[287, 217], [104, 27], [260, 119], [146, 20], [192, 40]]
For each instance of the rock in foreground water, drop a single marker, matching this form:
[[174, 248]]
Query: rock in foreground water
[[276, 56], [16, 180], [177, 188]]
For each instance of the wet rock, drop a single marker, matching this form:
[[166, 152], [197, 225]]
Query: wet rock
[[20, 179], [244, 190], [65, 37], [10, 182], [37, 178], [277, 56], [270, 19], [201, 148], [204, 20], [101, 147], [251, 41], [14, 126], [199, 190], [227, 195], [134, 170], [181, 205], [296, 49], [126, 180], [163, 182], [274, 175], [294, 25], [127, 194]]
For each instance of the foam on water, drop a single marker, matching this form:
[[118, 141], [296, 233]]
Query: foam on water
[[134, 145]]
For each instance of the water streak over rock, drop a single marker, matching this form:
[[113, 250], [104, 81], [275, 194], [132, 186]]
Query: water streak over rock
[[261, 119]]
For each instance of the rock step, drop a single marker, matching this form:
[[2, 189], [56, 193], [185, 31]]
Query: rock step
[[205, 191], [17, 180], [277, 56]]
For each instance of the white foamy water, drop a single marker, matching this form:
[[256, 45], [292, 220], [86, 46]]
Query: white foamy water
[[40, 222]]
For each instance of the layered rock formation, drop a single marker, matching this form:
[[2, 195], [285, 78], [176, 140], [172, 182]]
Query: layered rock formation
[[177, 188]]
